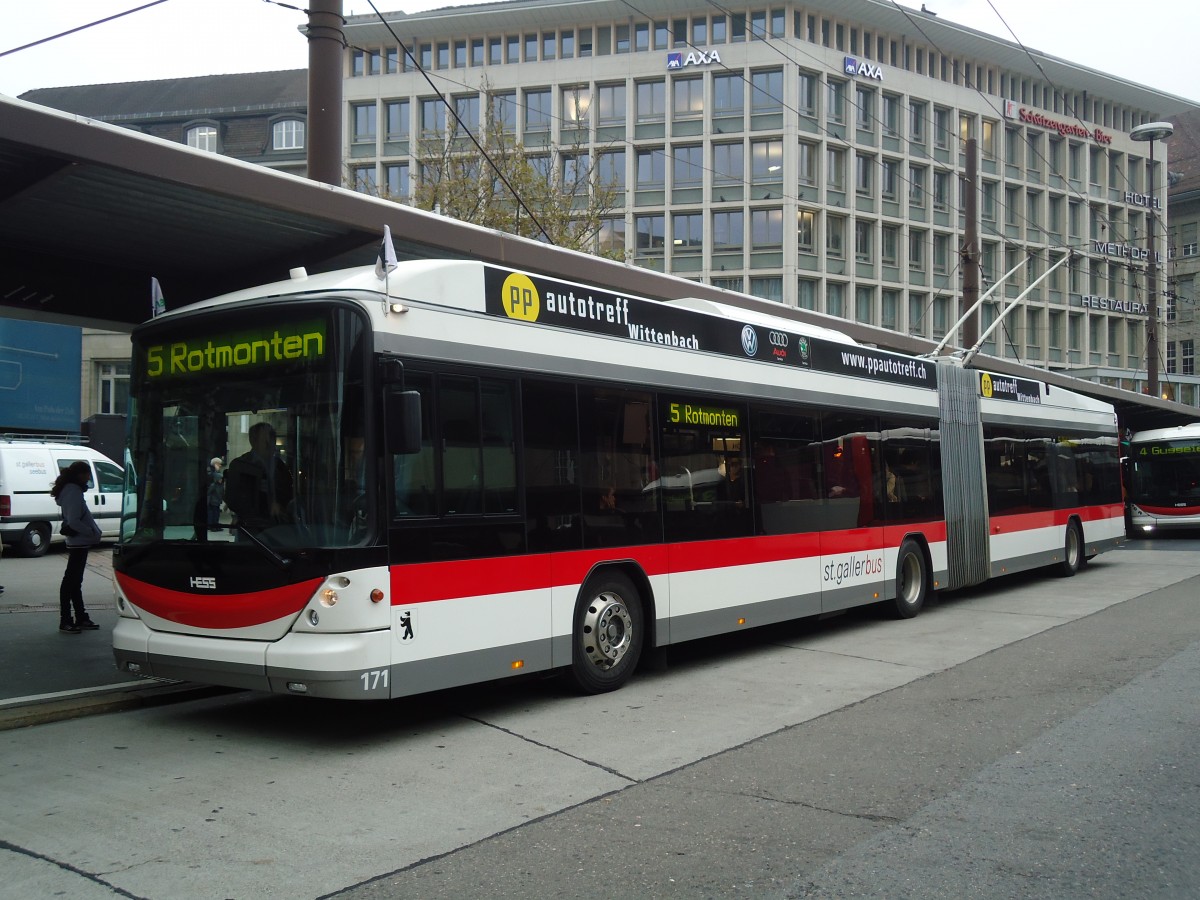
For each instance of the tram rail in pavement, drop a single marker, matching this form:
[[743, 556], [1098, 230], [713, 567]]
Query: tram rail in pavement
[[46, 675]]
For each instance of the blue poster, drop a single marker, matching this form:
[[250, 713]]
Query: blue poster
[[40, 369]]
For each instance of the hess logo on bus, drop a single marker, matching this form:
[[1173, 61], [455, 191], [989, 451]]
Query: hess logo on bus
[[520, 298]]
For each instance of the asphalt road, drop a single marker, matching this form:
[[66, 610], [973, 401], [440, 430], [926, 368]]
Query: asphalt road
[[1034, 738]]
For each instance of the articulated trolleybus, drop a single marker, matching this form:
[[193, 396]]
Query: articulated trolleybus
[[1164, 479], [460, 472]]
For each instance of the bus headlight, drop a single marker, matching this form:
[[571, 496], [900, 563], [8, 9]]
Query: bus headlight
[[328, 597]]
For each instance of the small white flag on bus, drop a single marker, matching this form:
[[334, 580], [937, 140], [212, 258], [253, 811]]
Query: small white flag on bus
[[158, 305], [387, 255]]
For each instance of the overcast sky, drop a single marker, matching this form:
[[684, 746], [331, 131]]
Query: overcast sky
[[1152, 42]]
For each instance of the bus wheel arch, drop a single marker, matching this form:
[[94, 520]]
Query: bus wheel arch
[[608, 628], [912, 577], [1074, 555]]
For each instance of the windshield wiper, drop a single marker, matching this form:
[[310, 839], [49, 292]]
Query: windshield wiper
[[281, 561]]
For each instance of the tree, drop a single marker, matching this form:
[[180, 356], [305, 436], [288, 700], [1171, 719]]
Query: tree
[[562, 198]]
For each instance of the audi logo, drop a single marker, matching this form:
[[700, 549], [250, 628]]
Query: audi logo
[[778, 339]]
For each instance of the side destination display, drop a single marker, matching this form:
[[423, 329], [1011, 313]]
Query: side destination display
[[547, 301]]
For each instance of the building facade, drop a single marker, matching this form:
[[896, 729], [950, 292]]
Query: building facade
[[813, 154]]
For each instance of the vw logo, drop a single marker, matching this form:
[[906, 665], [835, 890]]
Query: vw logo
[[749, 340], [779, 339]]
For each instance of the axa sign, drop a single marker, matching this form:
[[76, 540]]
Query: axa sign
[[692, 58], [863, 68]]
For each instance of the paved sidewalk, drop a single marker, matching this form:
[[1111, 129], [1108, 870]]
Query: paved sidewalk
[[46, 675]]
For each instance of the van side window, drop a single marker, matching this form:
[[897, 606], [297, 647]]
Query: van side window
[[111, 478]]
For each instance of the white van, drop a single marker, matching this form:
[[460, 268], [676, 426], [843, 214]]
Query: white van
[[29, 517]]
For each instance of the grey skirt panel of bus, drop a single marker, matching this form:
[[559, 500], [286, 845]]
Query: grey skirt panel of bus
[[963, 486]]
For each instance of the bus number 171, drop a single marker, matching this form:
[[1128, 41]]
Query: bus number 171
[[375, 679]]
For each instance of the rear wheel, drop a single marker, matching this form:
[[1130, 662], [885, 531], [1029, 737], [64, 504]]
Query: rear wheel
[[1073, 558], [34, 540], [607, 638], [912, 580]]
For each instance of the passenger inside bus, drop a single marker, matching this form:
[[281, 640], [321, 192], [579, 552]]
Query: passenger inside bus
[[258, 485]]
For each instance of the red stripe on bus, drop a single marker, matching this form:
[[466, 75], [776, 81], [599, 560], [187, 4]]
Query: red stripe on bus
[[1050, 518], [426, 582], [218, 611], [1170, 510]]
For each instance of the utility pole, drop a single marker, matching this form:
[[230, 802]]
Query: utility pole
[[970, 249], [325, 45]]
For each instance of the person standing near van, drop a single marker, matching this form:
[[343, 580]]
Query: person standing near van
[[82, 534]]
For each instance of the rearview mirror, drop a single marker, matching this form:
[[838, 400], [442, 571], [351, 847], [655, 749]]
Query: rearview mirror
[[402, 421]]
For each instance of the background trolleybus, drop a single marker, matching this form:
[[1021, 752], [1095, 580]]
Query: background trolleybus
[[459, 472], [1164, 479]]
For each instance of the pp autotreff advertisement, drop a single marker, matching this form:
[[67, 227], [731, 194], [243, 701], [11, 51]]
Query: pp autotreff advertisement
[[39, 376]]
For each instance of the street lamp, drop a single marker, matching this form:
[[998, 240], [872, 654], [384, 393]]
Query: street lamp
[[1149, 133]]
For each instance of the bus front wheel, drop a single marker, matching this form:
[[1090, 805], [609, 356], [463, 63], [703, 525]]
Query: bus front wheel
[[912, 580], [1073, 558], [608, 634]]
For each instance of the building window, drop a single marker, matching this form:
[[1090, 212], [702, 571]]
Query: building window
[[651, 101], [835, 236], [729, 166], [504, 111], [397, 120], [433, 116], [863, 167], [835, 299], [805, 228], [689, 97], [466, 108], [806, 293], [611, 101], [863, 240], [689, 166], [611, 238], [113, 379], [1188, 353], [728, 97], [537, 110], [835, 168], [203, 137], [889, 241], [364, 179], [769, 288], [576, 104], [808, 93], [766, 161], [916, 250], [864, 305], [364, 123], [917, 112], [651, 169], [687, 233], [650, 235], [766, 229], [807, 164], [728, 230], [889, 175], [396, 175], [287, 135], [766, 92], [837, 101]]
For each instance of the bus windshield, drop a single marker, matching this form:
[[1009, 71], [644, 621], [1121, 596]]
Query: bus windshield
[[249, 428], [1166, 473]]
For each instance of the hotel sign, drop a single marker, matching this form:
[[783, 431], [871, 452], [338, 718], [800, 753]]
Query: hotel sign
[[1143, 200], [1124, 251], [1013, 110]]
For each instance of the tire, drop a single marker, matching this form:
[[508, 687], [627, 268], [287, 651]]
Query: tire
[[1073, 558], [912, 580], [608, 634], [34, 540]]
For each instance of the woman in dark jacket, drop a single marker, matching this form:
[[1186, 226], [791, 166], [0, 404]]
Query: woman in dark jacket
[[82, 533]]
